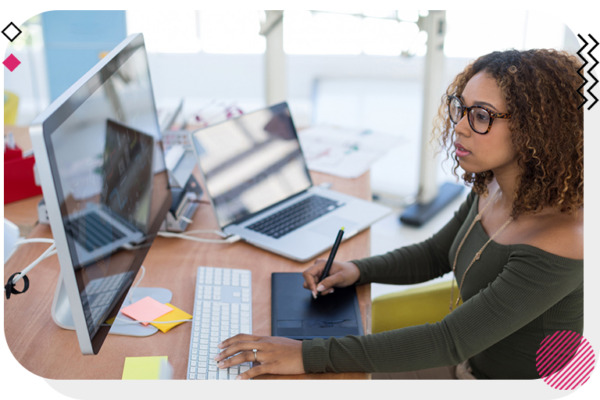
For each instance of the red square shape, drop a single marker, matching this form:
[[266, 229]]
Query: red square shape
[[11, 63]]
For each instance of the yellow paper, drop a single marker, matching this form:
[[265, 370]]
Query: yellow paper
[[174, 315], [142, 368]]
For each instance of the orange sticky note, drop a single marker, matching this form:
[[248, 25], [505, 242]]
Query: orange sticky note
[[147, 309], [175, 315]]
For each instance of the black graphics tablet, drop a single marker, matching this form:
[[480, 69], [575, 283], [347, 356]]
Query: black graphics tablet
[[296, 315]]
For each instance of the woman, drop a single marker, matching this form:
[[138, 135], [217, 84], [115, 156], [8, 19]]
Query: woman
[[517, 254]]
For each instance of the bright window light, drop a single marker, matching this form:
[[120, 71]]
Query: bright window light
[[380, 13], [544, 30], [231, 32], [472, 34], [409, 16], [306, 32], [165, 31], [381, 37], [321, 33]]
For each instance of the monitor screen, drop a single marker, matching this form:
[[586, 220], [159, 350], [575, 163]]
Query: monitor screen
[[251, 162], [106, 158]]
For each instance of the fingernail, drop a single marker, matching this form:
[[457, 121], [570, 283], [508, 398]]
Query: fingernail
[[320, 288], [220, 345], [314, 295], [216, 357], [221, 364], [237, 378]]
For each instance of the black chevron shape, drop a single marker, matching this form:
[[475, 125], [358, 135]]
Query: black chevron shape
[[590, 73], [579, 71]]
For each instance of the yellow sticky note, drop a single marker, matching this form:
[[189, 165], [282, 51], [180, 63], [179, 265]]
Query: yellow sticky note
[[174, 315], [143, 368]]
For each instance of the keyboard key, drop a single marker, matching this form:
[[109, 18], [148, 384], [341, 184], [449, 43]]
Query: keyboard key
[[294, 216], [218, 319]]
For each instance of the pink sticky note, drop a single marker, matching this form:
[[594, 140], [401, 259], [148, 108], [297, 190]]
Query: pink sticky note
[[147, 309]]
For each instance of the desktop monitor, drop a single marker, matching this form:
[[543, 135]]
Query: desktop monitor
[[100, 160]]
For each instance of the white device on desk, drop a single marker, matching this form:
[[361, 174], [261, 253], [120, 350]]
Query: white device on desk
[[260, 189], [101, 165], [11, 235], [222, 309]]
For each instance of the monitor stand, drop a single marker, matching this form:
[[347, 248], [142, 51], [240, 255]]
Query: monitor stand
[[61, 310]]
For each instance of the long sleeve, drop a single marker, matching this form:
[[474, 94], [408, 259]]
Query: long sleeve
[[419, 262], [530, 283], [513, 297]]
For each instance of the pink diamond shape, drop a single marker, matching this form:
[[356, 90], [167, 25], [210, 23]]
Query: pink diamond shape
[[11, 63]]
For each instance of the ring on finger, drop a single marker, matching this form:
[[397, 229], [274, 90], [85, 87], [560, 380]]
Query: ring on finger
[[255, 351]]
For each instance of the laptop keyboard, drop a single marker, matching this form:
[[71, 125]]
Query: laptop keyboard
[[295, 216], [93, 232], [98, 295]]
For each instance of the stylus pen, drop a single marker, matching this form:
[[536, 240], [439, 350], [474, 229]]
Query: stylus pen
[[334, 250]]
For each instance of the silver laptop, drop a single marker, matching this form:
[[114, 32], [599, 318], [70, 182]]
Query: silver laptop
[[257, 180], [122, 187]]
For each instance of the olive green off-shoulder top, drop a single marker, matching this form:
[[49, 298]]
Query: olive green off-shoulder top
[[513, 297]]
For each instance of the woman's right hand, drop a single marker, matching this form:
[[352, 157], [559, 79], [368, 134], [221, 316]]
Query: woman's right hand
[[341, 274]]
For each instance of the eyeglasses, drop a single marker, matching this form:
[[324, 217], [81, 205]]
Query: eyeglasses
[[480, 118]]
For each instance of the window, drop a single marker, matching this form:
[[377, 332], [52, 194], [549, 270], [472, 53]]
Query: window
[[228, 32], [471, 34], [353, 32]]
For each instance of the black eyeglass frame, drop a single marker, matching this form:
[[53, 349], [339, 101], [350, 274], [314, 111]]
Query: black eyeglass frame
[[465, 110]]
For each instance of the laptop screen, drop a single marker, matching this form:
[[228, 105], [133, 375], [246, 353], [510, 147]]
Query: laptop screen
[[251, 162]]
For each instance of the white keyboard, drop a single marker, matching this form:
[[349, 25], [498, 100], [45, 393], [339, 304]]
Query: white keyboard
[[222, 309]]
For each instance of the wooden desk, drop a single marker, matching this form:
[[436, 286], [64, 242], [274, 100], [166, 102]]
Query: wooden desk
[[51, 352]]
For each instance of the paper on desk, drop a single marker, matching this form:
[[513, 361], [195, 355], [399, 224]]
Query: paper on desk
[[146, 309], [147, 368], [344, 152], [175, 315]]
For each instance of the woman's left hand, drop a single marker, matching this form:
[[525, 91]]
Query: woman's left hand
[[276, 355]]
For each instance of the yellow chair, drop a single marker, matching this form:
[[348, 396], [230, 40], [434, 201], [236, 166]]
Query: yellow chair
[[11, 105], [424, 304]]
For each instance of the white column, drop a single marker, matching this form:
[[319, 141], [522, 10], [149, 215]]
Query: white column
[[435, 26], [275, 67]]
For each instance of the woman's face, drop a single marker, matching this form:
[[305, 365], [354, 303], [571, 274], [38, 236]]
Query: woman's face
[[494, 150]]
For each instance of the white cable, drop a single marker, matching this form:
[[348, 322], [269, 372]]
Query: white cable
[[37, 240], [186, 219], [49, 252], [136, 285], [216, 232], [123, 321], [231, 239]]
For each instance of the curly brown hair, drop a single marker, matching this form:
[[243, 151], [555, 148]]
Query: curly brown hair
[[540, 88]]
